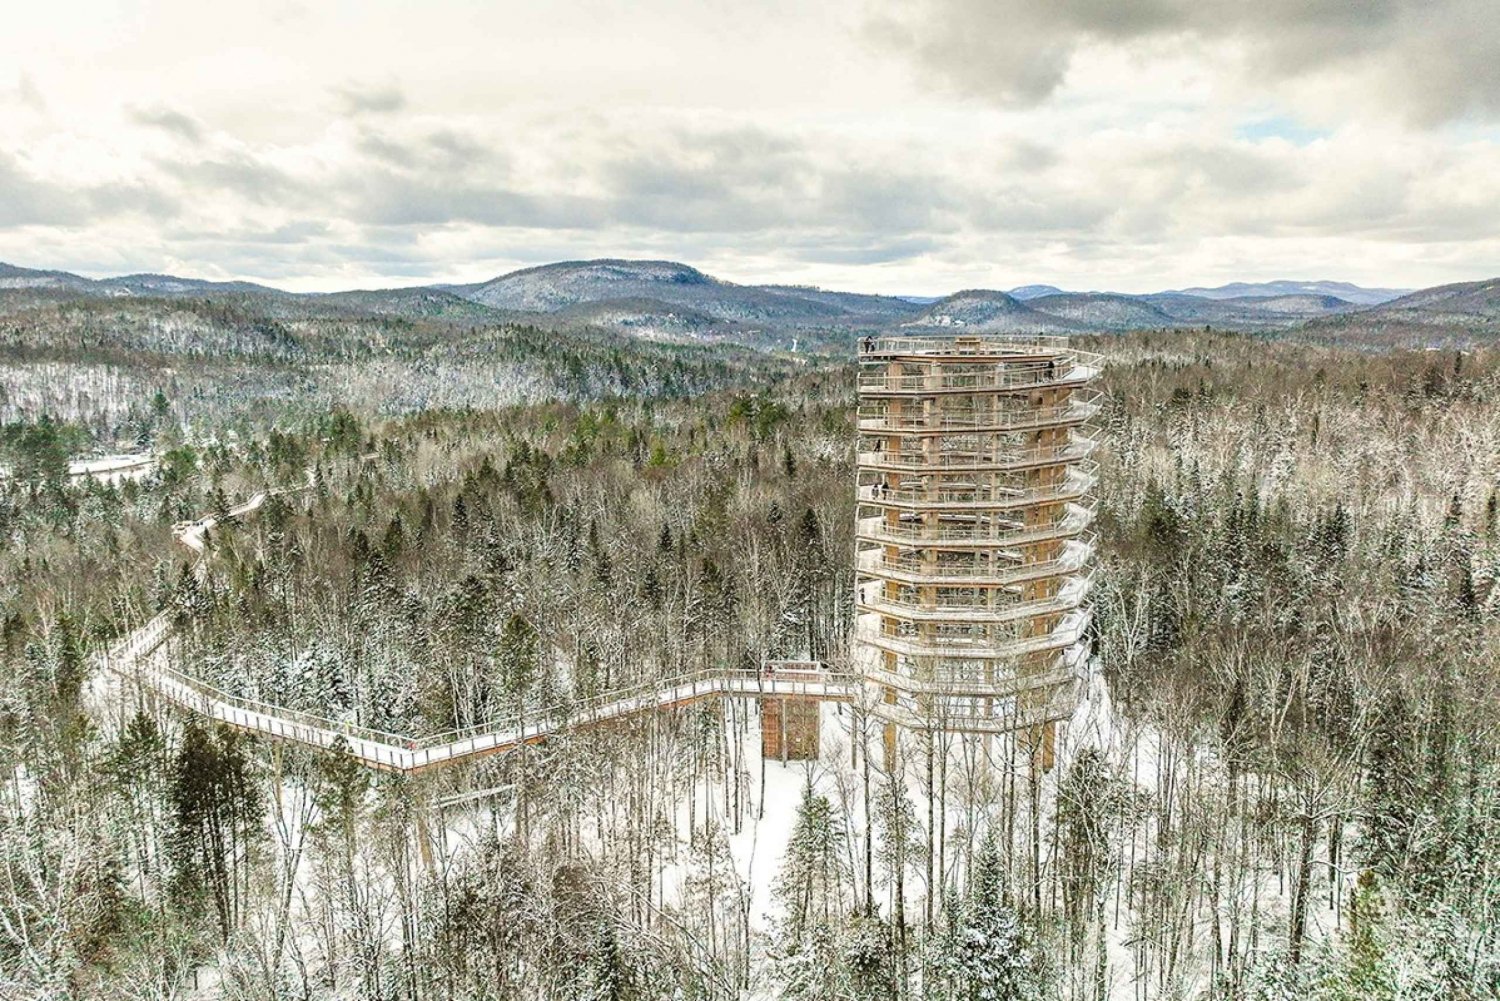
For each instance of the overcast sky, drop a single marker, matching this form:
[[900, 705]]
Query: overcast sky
[[900, 146]]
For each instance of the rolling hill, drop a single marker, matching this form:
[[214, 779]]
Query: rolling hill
[[666, 300], [410, 303], [1192, 310], [1480, 300], [870, 308], [988, 311], [1439, 316], [1104, 311], [555, 287], [1024, 292], [651, 318], [1260, 290], [1300, 304], [12, 277]]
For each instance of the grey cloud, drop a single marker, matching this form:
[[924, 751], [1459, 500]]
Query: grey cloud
[[273, 264], [1227, 171], [175, 122], [697, 167], [243, 174], [1026, 157], [26, 200], [1429, 60], [459, 150], [748, 182], [289, 234], [446, 149], [413, 200], [844, 251], [690, 197], [1038, 210], [359, 99], [118, 199], [737, 181], [887, 201], [743, 182], [27, 93], [448, 177], [718, 181], [389, 151]]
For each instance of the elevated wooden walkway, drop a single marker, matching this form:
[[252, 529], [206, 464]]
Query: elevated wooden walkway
[[141, 658]]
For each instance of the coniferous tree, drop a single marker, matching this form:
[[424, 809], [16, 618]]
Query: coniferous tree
[[810, 886], [216, 822], [984, 954]]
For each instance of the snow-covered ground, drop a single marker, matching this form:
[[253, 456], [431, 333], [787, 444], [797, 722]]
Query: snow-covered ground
[[773, 790]]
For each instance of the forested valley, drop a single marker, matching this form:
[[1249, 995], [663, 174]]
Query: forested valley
[[239, 365], [1284, 781]]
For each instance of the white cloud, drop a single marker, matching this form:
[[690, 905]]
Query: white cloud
[[1085, 143]]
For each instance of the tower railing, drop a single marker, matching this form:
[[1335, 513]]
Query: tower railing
[[923, 462], [1069, 630], [978, 611], [961, 345], [996, 532], [1077, 367], [1079, 480], [883, 418], [874, 563]]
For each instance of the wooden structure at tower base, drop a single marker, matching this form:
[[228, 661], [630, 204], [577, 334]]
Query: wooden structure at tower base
[[789, 728], [790, 724]]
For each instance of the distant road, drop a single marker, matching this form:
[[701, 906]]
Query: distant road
[[108, 468], [113, 468]]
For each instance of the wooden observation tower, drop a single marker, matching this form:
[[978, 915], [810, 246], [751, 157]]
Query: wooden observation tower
[[973, 546]]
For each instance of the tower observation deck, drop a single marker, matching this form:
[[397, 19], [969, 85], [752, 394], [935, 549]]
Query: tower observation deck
[[973, 547]]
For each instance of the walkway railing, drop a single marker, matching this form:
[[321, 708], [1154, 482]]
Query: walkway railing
[[132, 658]]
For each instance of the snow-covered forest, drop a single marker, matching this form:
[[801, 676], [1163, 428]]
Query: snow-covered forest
[[1284, 781], [241, 365]]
